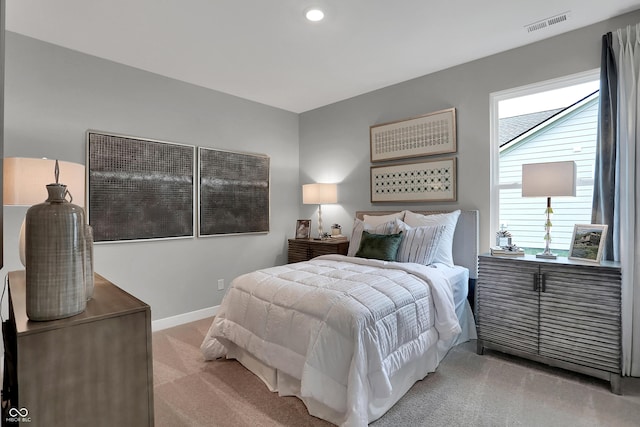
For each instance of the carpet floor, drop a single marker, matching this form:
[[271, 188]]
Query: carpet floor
[[466, 390]]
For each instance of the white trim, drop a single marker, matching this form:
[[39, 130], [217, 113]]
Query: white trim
[[494, 170], [547, 85], [181, 319]]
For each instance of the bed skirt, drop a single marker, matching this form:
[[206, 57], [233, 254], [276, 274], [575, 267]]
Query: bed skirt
[[401, 381]]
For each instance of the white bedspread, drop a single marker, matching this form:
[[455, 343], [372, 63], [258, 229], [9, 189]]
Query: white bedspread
[[341, 325]]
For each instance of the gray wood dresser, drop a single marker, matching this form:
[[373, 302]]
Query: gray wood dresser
[[560, 312], [94, 368]]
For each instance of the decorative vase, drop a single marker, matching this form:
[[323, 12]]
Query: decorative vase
[[88, 260], [55, 254]]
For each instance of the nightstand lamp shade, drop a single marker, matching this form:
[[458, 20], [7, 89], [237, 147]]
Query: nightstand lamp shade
[[548, 180], [319, 194], [25, 180], [24, 183]]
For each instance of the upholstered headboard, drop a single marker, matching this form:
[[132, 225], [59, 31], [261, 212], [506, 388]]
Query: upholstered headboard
[[465, 238]]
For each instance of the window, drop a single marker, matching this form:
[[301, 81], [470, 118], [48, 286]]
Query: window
[[546, 122]]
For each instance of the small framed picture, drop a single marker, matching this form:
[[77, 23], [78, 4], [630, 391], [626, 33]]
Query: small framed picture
[[303, 229], [587, 243]]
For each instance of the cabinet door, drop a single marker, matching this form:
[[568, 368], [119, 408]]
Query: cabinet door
[[507, 304], [580, 315]]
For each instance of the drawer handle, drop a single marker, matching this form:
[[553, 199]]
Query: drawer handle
[[539, 282]]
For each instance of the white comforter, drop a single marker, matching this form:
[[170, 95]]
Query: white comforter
[[341, 325]]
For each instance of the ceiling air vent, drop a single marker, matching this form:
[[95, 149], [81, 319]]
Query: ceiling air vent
[[539, 25]]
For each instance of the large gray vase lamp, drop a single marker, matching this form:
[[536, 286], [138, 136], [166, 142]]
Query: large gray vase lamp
[[24, 184], [55, 256], [547, 180]]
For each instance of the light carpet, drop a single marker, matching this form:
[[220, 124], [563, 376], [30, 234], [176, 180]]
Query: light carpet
[[466, 390]]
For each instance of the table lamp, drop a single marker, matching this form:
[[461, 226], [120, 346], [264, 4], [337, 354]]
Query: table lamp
[[319, 194], [25, 180], [547, 180]]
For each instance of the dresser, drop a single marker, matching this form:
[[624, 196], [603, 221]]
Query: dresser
[[305, 249], [94, 368], [560, 312]]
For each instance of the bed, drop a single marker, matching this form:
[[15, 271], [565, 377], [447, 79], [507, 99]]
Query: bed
[[349, 335]]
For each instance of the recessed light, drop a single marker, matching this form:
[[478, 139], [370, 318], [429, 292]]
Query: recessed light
[[314, 15]]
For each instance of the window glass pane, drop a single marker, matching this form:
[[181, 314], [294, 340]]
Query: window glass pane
[[548, 126]]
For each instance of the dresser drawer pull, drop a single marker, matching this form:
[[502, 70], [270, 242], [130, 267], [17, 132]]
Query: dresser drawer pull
[[539, 282]]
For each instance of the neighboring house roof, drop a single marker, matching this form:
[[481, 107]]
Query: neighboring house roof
[[512, 127], [518, 127]]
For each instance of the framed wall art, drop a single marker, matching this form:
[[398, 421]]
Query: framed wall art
[[138, 188], [426, 181], [233, 192], [426, 135], [587, 242]]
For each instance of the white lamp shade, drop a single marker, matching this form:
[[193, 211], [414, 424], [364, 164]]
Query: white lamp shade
[[549, 179], [25, 183], [318, 194], [25, 180]]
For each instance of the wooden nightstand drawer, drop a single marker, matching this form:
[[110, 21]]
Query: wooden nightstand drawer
[[305, 249]]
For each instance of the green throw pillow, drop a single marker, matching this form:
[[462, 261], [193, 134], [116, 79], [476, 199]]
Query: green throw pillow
[[379, 246]]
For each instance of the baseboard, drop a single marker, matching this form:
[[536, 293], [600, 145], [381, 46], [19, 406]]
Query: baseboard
[[181, 319]]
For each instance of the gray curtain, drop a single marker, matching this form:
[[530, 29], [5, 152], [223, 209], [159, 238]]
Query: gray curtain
[[605, 196]]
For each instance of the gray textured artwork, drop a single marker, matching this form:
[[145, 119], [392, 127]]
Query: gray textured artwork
[[139, 188], [234, 192]]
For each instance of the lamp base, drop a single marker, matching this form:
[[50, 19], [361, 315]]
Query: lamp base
[[546, 255]]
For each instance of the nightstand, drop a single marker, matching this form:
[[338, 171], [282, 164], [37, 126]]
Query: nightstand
[[560, 312], [305, 249]]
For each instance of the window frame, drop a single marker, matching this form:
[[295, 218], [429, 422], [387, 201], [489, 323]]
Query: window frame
[[494, 126]]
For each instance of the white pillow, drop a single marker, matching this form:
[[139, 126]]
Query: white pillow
[[381, 219], [359, 226], [449, 220], [419, 244]]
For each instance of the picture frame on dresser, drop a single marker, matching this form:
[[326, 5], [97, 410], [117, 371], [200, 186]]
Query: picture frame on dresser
[[587, 242], [303, 229]]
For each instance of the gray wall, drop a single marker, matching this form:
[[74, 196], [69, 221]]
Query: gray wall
[[53, 95], [334, 140]]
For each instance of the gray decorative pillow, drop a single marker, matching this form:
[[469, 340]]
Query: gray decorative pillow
[[420, 244], [380, 219], [444, 253]]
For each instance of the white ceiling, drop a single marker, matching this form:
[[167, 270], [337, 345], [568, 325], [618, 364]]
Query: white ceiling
[[265, 50]]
